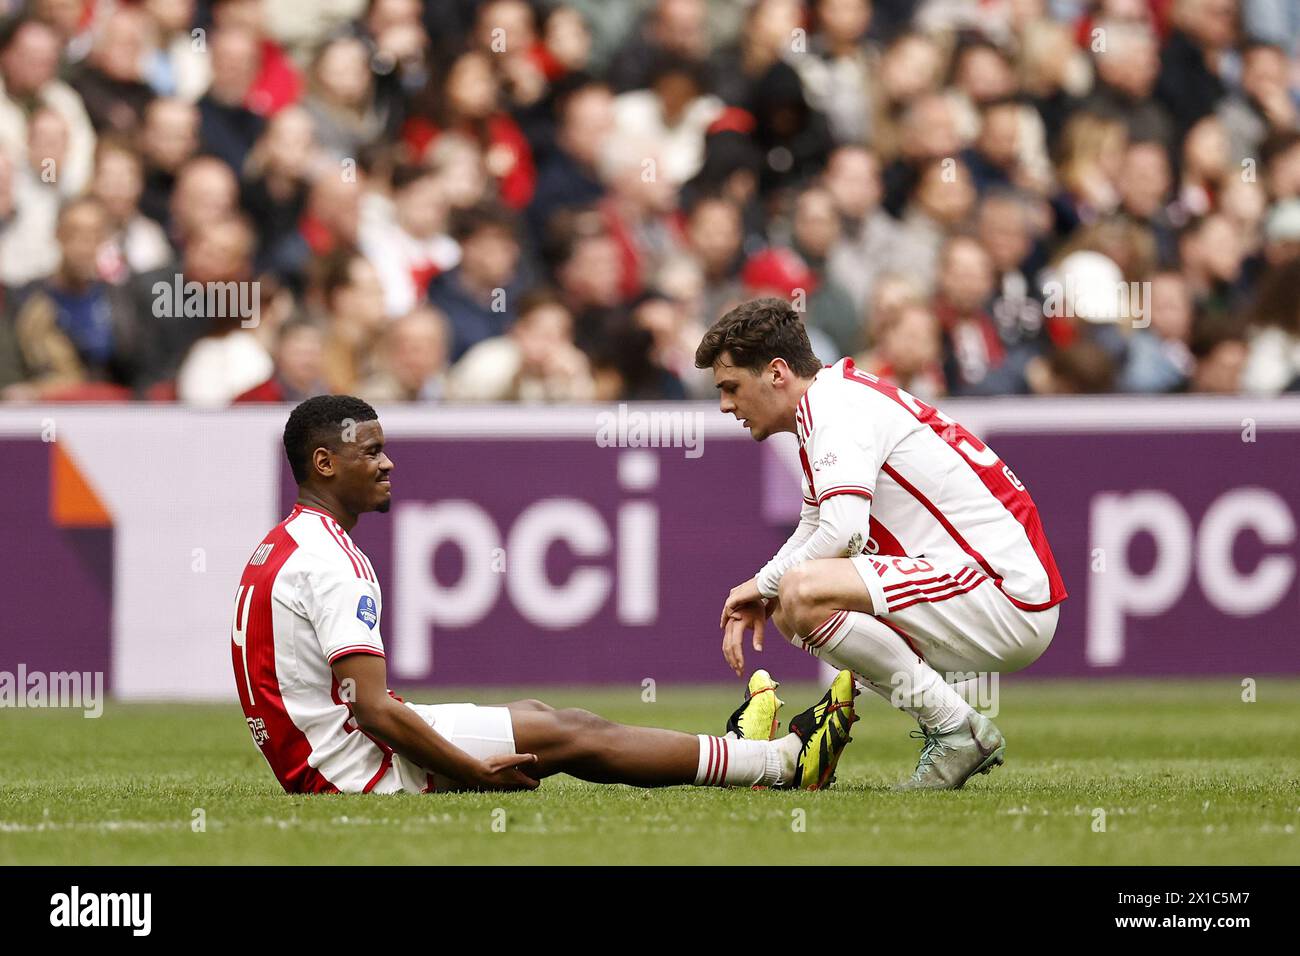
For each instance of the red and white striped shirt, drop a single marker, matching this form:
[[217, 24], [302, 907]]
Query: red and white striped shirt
[[921, 484], [307, 597]]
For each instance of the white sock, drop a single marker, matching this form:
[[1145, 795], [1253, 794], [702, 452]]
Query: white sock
[[728, 762], [884, 661]]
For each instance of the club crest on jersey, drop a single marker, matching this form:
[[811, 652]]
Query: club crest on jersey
[[855, 545], [367, 613]]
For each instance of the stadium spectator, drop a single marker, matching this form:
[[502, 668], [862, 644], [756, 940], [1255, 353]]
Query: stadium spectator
[[175, 66], [228, 357], [713, 236], [674, 340], [341, 99], [909, 353], [111, 82], [569, 178], [838, 68], [1127, 61], [815, 232], [943, 200], [1192, 61], [277, 83], [405, 236], [1273, 360], [1219, 346], [867, 232], [352, 300], [275, 186], [782, 272], [973, 353], [663, 160], [1145, 181], [411, 362], [136, 244], [674, 114], [299, 366], [206, 192], [478, 296], [640, 212], [535, 361], [227, 127], [28, 246], [470, 107], [1159, 357], [676, 27], [74, 328], [1262, 106], [169, 139], [1004, 227], [29, 71]]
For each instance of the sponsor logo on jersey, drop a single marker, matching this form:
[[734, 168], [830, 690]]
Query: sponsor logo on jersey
[[825, 461], [367, 612]]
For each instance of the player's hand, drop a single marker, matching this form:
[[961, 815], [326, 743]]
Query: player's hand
[[740, 595], [503, 772], [750, 616]]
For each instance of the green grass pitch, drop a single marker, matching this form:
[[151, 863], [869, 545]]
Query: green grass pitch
[[1185, 772]]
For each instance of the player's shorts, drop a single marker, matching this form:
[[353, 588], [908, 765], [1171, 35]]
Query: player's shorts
[[479, 731], [954, 617]]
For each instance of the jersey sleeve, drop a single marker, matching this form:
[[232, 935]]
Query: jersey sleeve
[[840, 530], [344, 611], [845, 457]]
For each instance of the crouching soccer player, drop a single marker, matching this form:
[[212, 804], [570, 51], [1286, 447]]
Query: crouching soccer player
[[309, 664], [919, 557]]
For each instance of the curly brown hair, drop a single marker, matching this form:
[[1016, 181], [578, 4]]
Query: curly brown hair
[[755, 333]]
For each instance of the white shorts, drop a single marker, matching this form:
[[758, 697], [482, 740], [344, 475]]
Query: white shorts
[[479, 731], [954, 617]]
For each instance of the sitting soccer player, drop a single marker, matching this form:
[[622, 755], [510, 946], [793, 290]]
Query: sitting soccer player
[[919, 554], [310, 667]]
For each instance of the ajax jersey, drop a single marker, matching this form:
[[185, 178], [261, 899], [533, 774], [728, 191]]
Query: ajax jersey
[[307, 597]]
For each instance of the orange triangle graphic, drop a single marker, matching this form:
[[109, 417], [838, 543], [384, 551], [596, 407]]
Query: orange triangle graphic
[[73, 502]]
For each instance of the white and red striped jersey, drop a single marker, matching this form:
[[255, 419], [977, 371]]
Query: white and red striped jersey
[[931, 490], [308, 596]]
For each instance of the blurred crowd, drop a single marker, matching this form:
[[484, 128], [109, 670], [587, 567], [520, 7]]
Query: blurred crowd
[[453, 200]]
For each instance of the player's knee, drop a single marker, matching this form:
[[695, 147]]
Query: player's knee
[[531, 704], [778, 616], [581, 722], [798, 598]]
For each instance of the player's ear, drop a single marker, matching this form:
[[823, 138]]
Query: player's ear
[[777, 371], [322, 460]]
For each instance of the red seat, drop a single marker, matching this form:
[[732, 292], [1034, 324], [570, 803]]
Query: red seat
[[90, 392], [162, 391]]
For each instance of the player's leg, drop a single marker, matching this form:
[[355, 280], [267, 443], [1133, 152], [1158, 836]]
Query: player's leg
[[825, 607], [588, 746], [814, 593], [592, 748], [580, 743]]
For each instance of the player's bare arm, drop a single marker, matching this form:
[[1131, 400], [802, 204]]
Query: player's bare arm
[[380, 715]]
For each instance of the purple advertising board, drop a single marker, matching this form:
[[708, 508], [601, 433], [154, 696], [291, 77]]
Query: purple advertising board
[[520, 550], [59, 608], [1179, 552]]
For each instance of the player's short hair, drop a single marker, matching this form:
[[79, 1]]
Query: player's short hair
[[318, 423], [755, 333]]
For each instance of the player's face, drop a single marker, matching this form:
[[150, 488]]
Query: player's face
[[365, 469], [747, 395]]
